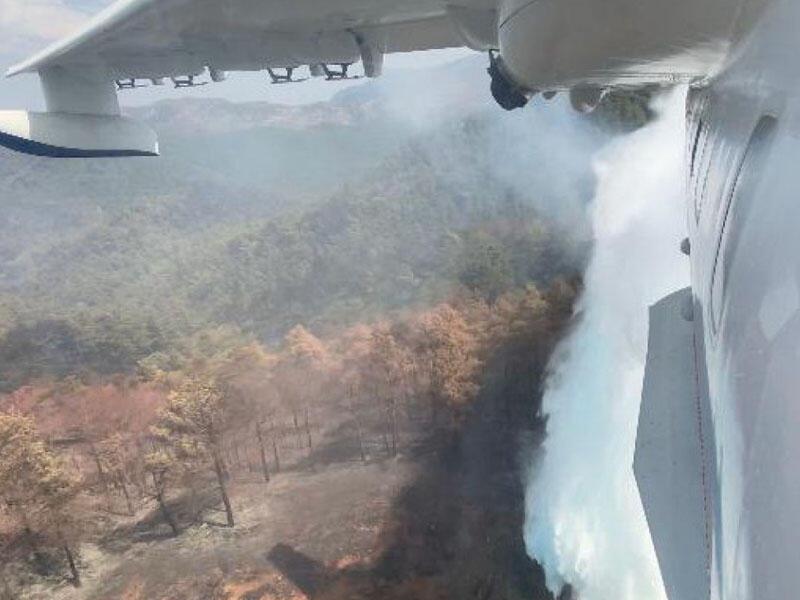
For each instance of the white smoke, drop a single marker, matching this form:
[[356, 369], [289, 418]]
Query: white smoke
[[585, 523]]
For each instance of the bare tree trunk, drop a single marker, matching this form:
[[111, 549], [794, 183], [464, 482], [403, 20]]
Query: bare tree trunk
[[308, 430], [237, 456], [385, 436], [359, 432], [262, 452], [297, 429], [139, 473], [162, 505], [277, 458], [251, 468], [226, 458], [275, 448], [124, 487], [101, 473], [218, 469], [360, 435], [393, 421], [73, 569], [140, 481]]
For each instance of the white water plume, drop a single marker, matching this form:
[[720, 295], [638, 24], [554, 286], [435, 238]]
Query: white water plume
[[585, 524]]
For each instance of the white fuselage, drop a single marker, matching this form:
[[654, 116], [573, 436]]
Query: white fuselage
[[743, 219], [558, 44], [742, 61]]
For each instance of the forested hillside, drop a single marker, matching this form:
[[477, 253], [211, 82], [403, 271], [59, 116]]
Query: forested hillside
[[296, 356], [158, 249]]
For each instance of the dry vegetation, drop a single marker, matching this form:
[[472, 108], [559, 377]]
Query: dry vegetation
[[369, 453], [168, 431], [379, 462]]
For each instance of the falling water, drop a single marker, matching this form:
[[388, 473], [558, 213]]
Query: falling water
[[585, 523]]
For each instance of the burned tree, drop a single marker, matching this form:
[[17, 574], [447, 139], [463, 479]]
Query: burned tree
[[193, 424], [36, 489], [162, 466]]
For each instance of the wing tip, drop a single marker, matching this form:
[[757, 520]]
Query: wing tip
[[19, 68]]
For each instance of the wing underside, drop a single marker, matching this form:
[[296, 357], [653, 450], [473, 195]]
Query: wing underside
[[181, 39], [162, 38]]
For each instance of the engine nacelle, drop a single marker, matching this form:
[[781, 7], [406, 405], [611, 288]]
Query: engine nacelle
[[562, 44]]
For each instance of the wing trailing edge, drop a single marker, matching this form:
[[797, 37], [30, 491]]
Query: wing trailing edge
[[669, 460]]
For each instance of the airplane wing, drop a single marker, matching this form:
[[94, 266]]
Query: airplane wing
[[670, 464], [163, 38], [182, 39]]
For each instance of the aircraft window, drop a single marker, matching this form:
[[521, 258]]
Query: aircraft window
[[696, 142], [696, 133], [697, 105], [699, 165], [739, 206]]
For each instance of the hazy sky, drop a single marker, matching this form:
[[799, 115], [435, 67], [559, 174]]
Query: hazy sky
[[28, 25]]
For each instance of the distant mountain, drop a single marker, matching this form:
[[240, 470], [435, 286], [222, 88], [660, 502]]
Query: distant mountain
[[204, 115], [221, 162], [456, 89], [261, 150], [267, 216]]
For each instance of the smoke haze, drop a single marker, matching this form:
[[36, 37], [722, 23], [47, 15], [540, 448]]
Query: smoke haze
[[584, 521]]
